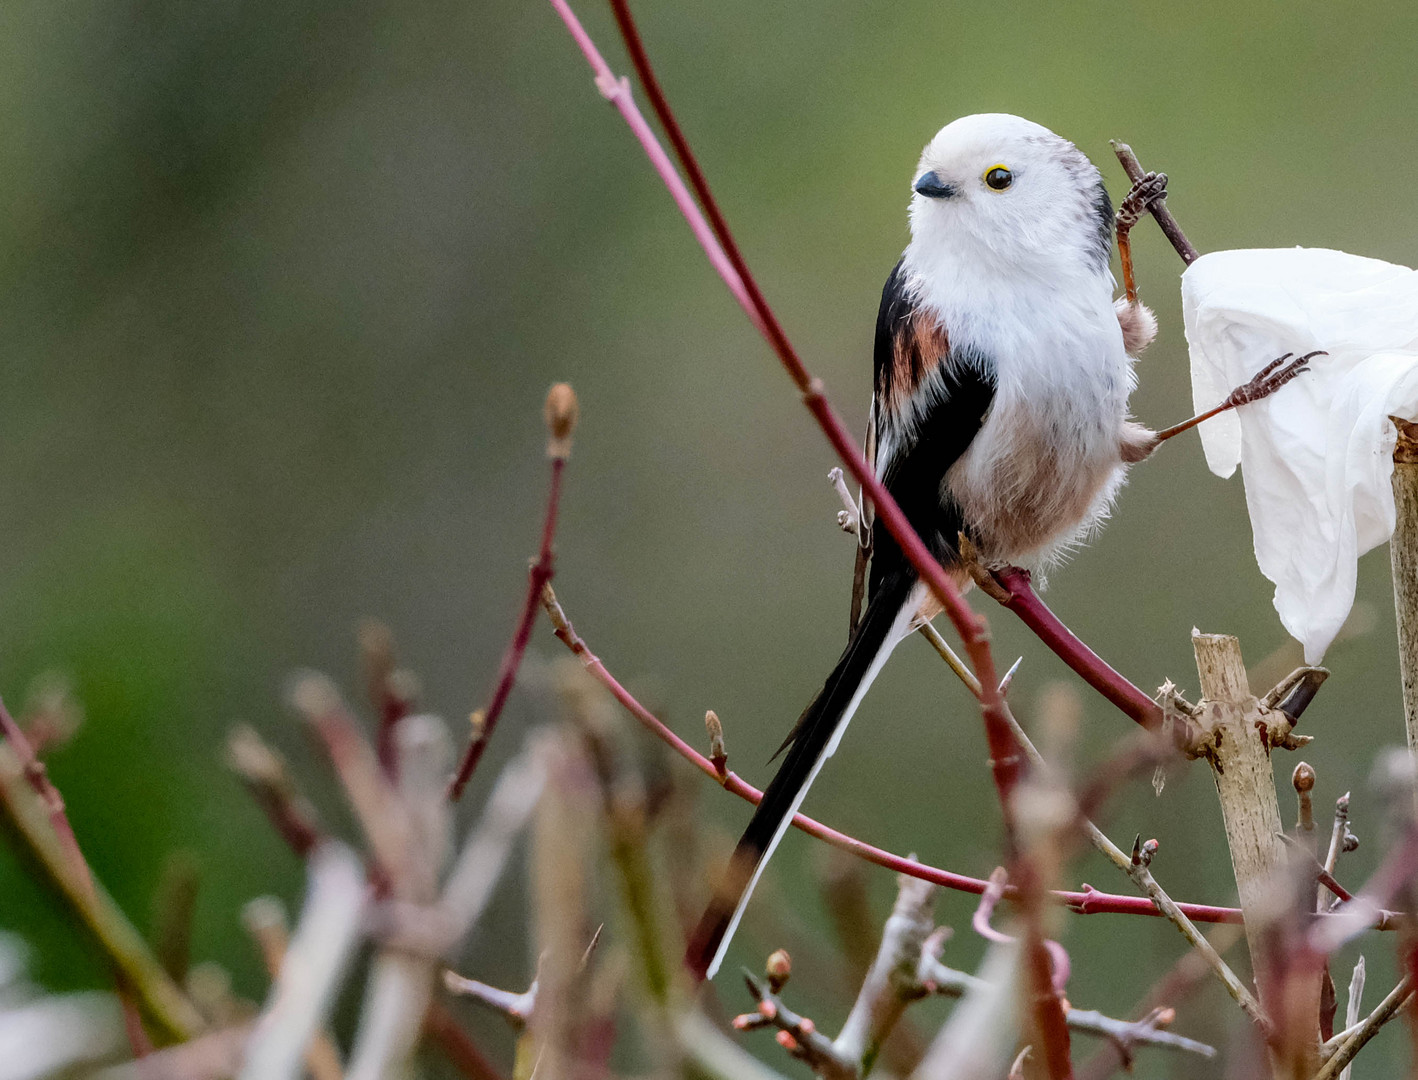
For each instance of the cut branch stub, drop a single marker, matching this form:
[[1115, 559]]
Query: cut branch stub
[[1403, 554], [1240, 758], [1239, 745]]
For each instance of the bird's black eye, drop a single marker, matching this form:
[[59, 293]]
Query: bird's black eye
[[998, 177]]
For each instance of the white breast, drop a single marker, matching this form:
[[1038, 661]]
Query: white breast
[[1045, 466]]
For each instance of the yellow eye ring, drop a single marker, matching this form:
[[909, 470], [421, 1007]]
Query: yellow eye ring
[[998, 177]]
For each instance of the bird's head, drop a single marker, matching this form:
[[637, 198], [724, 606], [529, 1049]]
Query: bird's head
[[999, 187]]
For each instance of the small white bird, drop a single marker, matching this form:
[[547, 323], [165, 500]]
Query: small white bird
[[1000, 408]]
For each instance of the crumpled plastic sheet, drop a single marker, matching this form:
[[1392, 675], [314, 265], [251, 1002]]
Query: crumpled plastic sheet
[[1317, 456]]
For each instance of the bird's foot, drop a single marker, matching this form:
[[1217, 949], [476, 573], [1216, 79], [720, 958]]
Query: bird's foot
[[974, 565], [1270, 379], [1140, 197], [1265, 382]]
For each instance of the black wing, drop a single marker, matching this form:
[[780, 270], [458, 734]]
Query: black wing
[[931, 401]]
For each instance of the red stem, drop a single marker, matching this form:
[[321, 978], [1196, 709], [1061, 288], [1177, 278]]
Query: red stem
[[1093, 669], [1087, 902], [540, 574]]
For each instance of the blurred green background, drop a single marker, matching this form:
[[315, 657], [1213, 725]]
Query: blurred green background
[[282, 286]]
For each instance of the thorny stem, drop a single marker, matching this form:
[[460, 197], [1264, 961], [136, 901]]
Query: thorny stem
[[1142, 875], [539, 575], [1088, 902]]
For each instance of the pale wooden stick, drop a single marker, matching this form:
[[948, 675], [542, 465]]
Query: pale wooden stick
[[265, 920], [1238, 749], [890, 983], [400, 986], [1356, 997], [314, 965], [1403, 554]]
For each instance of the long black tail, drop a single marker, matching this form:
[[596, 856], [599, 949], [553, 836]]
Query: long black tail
[[813, 741]]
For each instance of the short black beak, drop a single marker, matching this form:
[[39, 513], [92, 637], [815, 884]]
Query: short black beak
[[931, 186]]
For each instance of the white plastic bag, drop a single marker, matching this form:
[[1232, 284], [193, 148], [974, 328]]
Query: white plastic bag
[[1316, 456]]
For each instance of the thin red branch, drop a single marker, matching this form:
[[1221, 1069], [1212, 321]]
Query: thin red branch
[[540, 574], [1089, 901], [1049, 1005], [38, 778], [1091, 667]]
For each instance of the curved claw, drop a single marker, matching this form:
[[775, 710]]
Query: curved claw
[[1268, 380], [1271, 366], [1140, 197]]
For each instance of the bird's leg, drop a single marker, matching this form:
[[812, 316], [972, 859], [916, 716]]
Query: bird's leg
[[1139, 444], [975, 567], [1144, 193]]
